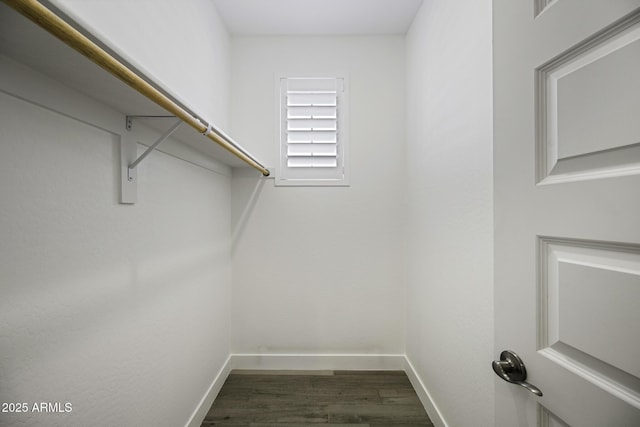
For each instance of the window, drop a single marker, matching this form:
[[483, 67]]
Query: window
[[312, 131]]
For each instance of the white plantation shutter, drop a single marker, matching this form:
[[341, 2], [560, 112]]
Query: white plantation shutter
[[312, 132]]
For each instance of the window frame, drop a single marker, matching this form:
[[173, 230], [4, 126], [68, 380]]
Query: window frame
[[342, 134]]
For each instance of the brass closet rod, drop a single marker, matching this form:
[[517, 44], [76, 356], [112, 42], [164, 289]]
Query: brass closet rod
[[48, 20]]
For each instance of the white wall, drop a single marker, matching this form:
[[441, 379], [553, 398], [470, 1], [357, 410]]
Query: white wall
[[449, 162], [182, 45], [122, 311], [320, 270]]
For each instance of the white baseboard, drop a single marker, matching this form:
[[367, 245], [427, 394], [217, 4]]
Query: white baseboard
[[310, 362], [205, 403], [317, 362], [423, 394]]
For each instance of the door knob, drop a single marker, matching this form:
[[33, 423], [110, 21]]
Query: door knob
[[511, 369]]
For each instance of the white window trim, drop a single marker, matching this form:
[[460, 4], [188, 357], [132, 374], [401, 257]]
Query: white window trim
[[343, 124]]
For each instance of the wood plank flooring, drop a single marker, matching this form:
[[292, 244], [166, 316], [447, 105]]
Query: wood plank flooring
[[322, 398]]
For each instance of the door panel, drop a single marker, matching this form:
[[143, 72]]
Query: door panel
[[567, 209], [587, 102], [589, 294], [548, 419]]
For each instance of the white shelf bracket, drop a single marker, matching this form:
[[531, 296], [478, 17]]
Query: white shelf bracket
[[130, 119], [129, 162]]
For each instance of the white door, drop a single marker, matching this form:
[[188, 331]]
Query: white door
[[567, 210]]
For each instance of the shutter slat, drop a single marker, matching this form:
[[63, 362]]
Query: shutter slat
[[311, 100], [312, 92], [312, 162], [316, 112], [312, 125], [311, 150], [311, 137]]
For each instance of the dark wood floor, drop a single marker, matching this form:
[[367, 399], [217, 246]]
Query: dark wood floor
[[329, 398]]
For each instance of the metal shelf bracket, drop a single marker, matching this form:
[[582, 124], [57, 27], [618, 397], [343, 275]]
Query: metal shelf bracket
[[129, 162], [131, 118]]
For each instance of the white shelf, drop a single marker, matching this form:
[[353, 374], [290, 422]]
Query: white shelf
[[30, 45]]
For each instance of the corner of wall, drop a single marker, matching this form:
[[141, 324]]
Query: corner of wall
[[210, 396]]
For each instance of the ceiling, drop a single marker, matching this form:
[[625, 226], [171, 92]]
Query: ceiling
[[317, 17]]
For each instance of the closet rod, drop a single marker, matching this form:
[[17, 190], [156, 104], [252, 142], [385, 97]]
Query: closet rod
[[46, 19]]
